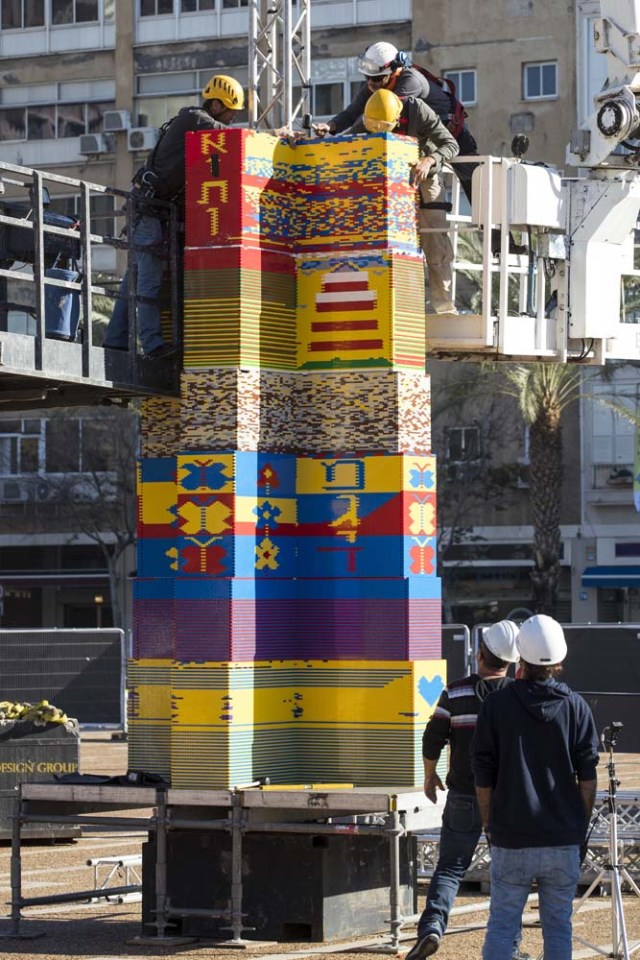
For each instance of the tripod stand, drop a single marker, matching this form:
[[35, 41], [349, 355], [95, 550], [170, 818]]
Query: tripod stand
[[612, 869]]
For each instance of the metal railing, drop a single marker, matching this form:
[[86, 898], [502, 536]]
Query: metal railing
[[42, 252]]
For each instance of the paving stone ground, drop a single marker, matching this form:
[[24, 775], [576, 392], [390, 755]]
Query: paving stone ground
[[102, 931]]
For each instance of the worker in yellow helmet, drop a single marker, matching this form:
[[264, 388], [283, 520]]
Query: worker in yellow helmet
[[163, 177], [386, 113]]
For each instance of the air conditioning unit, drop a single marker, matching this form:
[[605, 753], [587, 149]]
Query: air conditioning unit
[[115, 120], [45, 492], [92, 143], [143, 138], [14, 491]]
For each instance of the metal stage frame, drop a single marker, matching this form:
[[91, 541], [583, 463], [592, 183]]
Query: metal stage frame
[[323, 810]]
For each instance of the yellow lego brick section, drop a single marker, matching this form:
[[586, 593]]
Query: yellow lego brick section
[[156, 502], [351, 193], [365, 310], [149, 690], [366, 474], [347, 694], [265, 511]]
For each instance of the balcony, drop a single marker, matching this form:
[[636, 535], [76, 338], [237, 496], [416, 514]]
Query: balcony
[[611, 483]]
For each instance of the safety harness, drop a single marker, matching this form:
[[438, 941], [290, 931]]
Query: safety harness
[[458, 115]]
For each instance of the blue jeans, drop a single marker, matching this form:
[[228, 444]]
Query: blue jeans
[[556, 870], [147, 238], [459, 835]]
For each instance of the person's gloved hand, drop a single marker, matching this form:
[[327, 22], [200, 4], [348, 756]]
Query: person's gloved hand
[[321, 129]]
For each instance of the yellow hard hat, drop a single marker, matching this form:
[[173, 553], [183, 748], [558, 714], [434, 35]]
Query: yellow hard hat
[[382, 112], [225, 89]]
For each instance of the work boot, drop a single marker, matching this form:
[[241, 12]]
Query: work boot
[[164, 350], [425, 947]]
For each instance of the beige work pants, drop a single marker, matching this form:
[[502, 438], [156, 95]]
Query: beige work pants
[[436, 246]]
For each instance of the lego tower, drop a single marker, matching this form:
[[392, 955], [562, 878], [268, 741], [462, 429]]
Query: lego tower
[[287, 608]]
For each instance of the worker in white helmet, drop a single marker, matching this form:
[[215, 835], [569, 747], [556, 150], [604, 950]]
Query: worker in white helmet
[[534, 758], [384, 67], [453, 722]]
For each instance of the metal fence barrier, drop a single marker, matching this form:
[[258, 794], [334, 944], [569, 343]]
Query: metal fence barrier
[[81, 671]]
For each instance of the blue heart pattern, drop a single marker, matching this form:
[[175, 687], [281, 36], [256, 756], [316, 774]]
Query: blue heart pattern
[[430, 690]]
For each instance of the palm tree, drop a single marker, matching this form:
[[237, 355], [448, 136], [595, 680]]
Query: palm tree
[[543, 391]]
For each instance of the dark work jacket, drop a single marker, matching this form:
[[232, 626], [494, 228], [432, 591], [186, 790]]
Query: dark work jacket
[[167, 159], [410, 83], [533, 742], [434, 140]]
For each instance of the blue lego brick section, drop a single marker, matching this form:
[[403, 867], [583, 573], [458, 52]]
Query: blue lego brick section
[[369, 556], [158, 470], [231, 555]]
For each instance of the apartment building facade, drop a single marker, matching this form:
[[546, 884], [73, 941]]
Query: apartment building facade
[[84, 88]]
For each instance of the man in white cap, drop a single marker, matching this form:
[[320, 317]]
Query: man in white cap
[[534, 757], [453, 721]]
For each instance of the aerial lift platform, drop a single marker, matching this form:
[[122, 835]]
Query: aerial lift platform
[[560, 301], [39, 366]]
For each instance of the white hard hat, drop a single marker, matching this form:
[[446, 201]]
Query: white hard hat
[[541, 641], [377, 59], [500, 639]]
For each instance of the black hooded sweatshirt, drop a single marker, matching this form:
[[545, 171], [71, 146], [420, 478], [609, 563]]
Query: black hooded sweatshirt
[[533, 741]]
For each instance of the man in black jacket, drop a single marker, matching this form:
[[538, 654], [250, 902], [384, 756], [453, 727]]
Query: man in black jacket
[[453, 722], [163, 178], [534, 757]]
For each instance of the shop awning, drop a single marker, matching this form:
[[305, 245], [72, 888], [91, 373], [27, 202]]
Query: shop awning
[[619, 576]]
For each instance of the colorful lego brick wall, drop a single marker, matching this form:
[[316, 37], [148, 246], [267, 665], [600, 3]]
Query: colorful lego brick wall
[[287, 605]]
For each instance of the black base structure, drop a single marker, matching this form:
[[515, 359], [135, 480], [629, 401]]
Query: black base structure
[[321, 888]]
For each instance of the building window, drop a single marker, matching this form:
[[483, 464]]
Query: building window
[[612, 434], [153, 8], [20, 14], [52, 122], [162, 95], [196, 6], [465, 83], [540, 80], [462, 444], [19, 446], [58, 445], [53, 111], [328, 99], [74, 11]]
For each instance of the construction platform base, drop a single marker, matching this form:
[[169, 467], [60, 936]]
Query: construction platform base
[[253, 864]]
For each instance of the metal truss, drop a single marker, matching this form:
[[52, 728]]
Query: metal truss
[[279, 62]]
